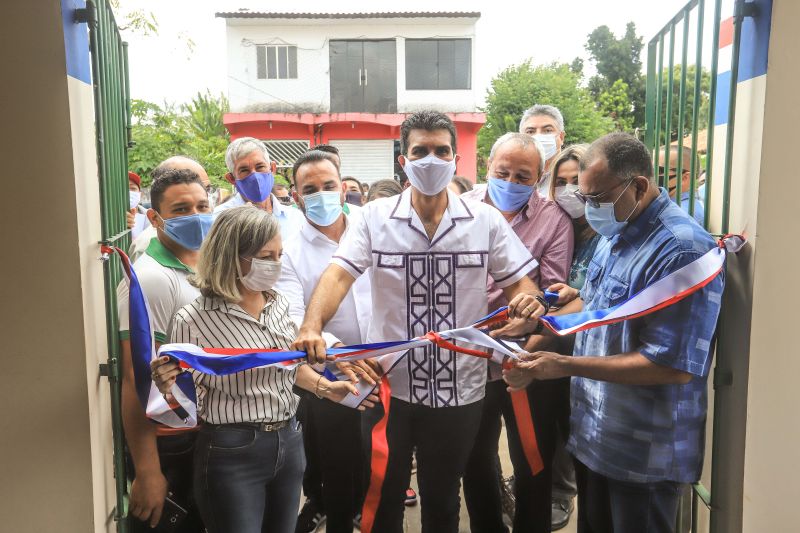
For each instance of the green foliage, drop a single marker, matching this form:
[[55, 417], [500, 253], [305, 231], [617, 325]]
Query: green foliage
[[195, 130], [618, 59], [705, 87], [519, 87], [135, 20], [615, 104]]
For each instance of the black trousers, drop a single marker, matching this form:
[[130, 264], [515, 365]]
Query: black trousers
[[176, 454], [443, 438], [607, 505], [334, 473], [549, 402], [312, 477]]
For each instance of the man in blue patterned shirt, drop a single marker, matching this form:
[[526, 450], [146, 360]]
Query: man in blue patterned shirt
[[639, 391]]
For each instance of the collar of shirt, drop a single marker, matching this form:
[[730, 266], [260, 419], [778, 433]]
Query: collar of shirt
[[278, 209], [638, 230], [236, 310], [311, 234], [164, 257], [456, 211], [685, 196]]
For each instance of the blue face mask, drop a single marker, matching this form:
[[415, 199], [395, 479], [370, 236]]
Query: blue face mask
[[323, 208], [188, 231], [257, 186], [507, 195], [603, 219]]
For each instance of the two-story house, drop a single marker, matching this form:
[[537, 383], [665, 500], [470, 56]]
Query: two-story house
[[350, 79]]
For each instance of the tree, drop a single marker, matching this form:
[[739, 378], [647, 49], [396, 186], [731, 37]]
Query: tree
[[705, 87], [195, 130], [519, 87], [615, 104], [144, 23], [618, 59]]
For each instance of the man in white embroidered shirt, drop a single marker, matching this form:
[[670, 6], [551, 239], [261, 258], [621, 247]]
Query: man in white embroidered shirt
[[429, 255], [332, 482]]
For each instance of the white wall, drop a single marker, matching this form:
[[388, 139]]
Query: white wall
[[54, 443], [311, 89], [771, 483]]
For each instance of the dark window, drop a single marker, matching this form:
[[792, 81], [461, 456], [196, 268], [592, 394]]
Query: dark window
[[438, 64], [261, 62], [276, 62]]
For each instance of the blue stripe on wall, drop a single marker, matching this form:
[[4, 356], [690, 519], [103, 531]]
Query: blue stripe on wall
[[753, 56], [754, 49], [723, 97], [76, 42]]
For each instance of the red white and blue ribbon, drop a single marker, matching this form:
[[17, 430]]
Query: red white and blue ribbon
[[182, 412], [224, 361], [668, 290]]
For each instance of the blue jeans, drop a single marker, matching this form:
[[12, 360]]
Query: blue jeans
[[248, 481], [607, 505]]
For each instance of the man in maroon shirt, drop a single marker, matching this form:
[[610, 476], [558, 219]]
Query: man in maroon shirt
[[516, 165]]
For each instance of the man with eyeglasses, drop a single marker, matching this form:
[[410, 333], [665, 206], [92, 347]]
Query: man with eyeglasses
[[638, 391], [688, 196]]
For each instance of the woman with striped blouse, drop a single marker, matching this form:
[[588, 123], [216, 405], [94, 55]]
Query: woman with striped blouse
[[249, 459]]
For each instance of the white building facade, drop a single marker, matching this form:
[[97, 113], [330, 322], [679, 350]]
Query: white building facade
[[350, 80]]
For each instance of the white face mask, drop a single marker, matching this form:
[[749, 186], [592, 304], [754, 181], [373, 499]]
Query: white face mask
[[430, 175], [566, 198], [134, 197], [263, 275], [548, 141]]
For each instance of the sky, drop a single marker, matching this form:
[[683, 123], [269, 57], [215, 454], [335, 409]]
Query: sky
[[164, 68]]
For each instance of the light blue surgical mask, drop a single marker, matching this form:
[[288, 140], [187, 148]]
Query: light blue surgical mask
[[603, 220], [507, 195], [188, 231], [323, 208]]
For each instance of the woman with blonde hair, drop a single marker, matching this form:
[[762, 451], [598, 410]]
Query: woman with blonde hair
[[249, 460], [562, 190]]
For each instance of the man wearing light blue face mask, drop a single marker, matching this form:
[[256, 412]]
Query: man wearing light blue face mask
[[252, 175], [516, 163], [639, 391], [333, 484], [181, 216], [546, 124]]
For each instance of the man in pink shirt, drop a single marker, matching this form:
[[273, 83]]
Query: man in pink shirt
[[516, 165]]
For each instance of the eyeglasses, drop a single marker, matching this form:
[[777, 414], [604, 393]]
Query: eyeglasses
[[594, 199]]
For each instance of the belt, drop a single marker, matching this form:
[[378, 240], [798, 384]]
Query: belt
[[258, 426]]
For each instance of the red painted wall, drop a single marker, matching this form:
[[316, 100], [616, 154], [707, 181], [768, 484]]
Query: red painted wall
[[324, 127]]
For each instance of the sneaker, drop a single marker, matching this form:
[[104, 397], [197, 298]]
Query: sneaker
[[411, 497], [309, 519], [562, 510], [357, 521]]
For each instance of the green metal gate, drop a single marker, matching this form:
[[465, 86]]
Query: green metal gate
[[112, 123], [671, 118]]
